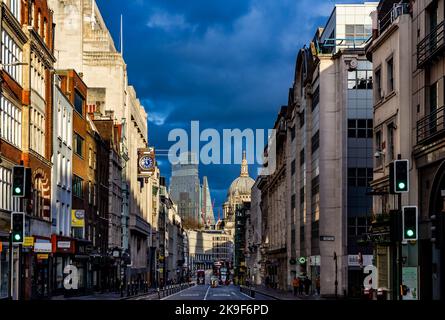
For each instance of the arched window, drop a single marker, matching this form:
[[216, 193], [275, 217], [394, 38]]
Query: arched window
[[38, 197], [39, 21], [45, 30]]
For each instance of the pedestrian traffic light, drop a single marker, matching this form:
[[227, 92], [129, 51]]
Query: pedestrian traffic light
[[17, 227], [18, 181], [401, 176], [409, 223]]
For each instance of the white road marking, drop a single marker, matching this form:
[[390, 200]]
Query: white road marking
[[207, 292], [175, 294], [221, 295], [247, 295], [190, 295]]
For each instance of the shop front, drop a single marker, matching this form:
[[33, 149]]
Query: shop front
[[81, 260], [37, 263], [4, 265], [63, 252]]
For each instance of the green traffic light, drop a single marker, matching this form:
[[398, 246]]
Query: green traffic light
[[402, 185], [17, 190], [17, 237], [409, 233]]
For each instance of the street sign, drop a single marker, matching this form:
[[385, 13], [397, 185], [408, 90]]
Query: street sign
[[29, 242], [42, 256], [327, 238]]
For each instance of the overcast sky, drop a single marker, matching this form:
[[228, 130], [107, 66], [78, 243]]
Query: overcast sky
[[226, 63]]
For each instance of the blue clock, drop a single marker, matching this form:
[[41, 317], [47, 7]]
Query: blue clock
[[145, 162]]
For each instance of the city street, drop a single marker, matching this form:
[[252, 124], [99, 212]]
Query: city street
[[205, 292]]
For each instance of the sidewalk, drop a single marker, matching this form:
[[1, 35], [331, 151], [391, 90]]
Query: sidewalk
[[103, 296], [284, 295]]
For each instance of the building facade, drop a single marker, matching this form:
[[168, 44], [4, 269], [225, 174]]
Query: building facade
[[11, 107], [62, 160], [391, 54], [185, 190], [85, 44]]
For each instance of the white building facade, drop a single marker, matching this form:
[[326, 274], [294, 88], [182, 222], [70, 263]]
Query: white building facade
[[61, 172]]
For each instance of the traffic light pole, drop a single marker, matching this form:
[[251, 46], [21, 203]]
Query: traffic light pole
[[400, 258], [11, 267]]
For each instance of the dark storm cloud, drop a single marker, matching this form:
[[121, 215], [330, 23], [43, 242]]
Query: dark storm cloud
[[226, 63]]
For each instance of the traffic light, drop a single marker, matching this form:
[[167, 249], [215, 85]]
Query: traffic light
[[409, 223], [17, 227], [18, 181], [401, 176]]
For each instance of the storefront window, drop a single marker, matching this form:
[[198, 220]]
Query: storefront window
[[4, 270]]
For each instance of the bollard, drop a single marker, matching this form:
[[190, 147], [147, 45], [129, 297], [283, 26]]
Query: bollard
[[159, 294]]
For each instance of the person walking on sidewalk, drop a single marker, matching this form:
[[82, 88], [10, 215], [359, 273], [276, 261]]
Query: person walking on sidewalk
[[296, 285], [300, 286], [307, 285], [317, 285]]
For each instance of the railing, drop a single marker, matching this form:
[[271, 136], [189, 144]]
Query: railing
[[431, 45], [431, 125], [172, 289], [397, 10]]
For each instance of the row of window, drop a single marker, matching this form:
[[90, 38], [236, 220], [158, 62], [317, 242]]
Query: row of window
[[11, 55], [10, 122], [15, 7], [315, 141], [7, 202], [38, 80], [37, 131], [378, 94], [64, 127], [359, 177], [360, 128], [64, 171]]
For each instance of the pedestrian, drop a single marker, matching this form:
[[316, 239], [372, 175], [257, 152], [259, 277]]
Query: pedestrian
[[301, 286], [317, 285], [307, 284], [296, 285]]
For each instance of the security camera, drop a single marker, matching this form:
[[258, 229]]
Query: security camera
[[377, 154]]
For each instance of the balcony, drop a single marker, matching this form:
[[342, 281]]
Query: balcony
[[431, 126], [431, 46], [396, 11]]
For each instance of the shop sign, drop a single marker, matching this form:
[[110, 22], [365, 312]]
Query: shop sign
[[64, 244], [410, 283], [1, 247], [43, 247], [42, 256], [29, 242], [78, 218], [327, 238], [354, 260]]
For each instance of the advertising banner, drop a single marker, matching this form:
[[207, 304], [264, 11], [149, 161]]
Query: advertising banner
[[78, 218]]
